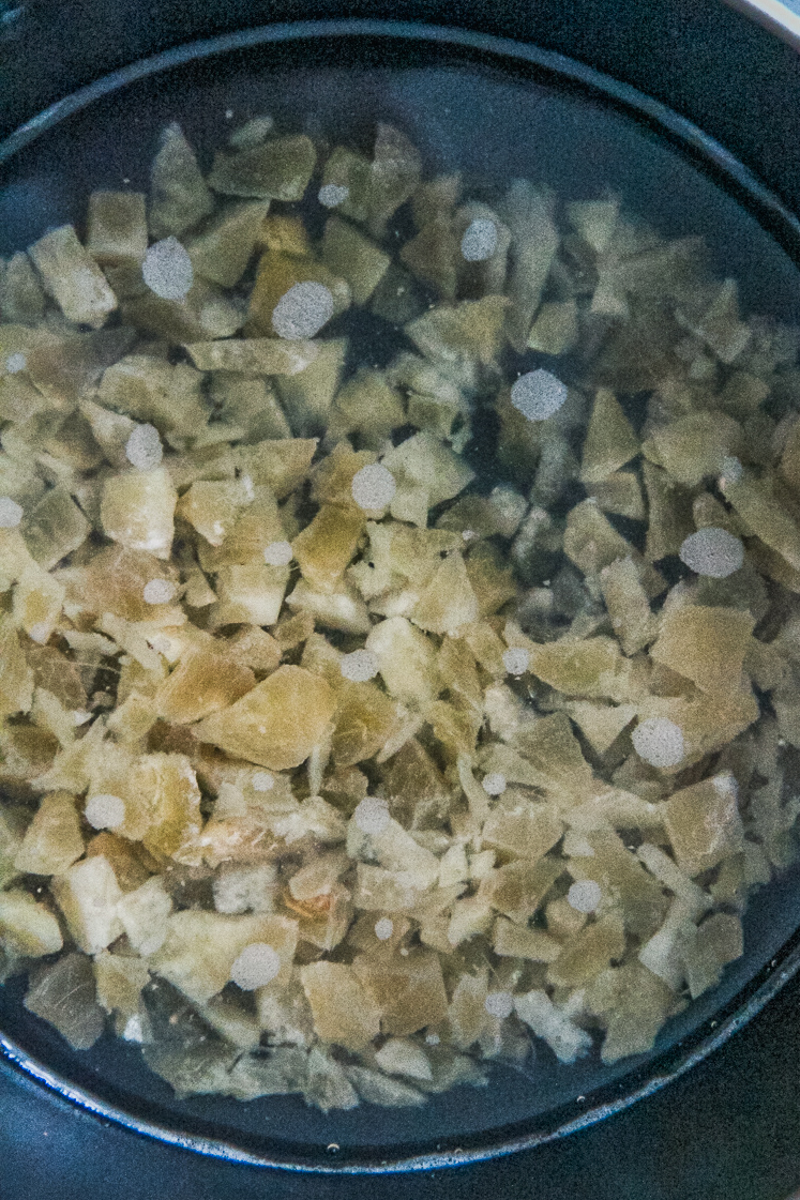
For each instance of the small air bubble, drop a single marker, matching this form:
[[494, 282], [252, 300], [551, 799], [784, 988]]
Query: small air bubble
[[538, 395], [104, 811], [432, 1039], [11, 513], [713, 552], [302, 311], [167, 269], [480, 240], [584, 895], [659, 742], [384, 928], [158, 591], [372, 815], [333, 194], [255, 967], [278, 554], [143, 449], [373, 487], [359, 666], [732, 469], [516, 660], [499, 1004], [40, 632], [16, 362], [494, 784]]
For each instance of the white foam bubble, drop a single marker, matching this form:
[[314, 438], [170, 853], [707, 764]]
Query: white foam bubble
[[712, 551], [432, 1039], [278, 554], [516, 660], [732, 469], [255, 967], [659, 742], [584, 895], [104, 811], [494, 784], [11, 513], [538, 395], [143, 449], [158, 591], [499, 1004], [167, 269], [480, 240], [359, 666], [333, 194], [373, 486], [263, 782], [372, 815], [384, 928], [302, 311], [15, 363]]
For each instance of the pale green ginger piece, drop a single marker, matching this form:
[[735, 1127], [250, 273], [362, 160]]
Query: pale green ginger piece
[[368, 405], [222, 251], [179, 197], [278, 723], [352, 256], [470, 332], [307, 396], [64, 995], [55, 528], [628, 605], [695, 446], [594, 220], [704, 644], [73, 278], [277, 169], [527, 211], [206, 311], [609, 442], [201, 948], [117, 227], [21, 293], [254, 356], [151, 389], [27, 928], [87, 894], [704, 824], [38, 603], [16, 676], [138, 510], [555, 330], [601, 724]]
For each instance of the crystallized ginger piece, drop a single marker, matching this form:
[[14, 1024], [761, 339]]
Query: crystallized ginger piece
[[73, 278], [278, 723], [610, 441], [703, 823], [203, 682], [343, 1011], [706, 645], [327, 545], [137, 510]]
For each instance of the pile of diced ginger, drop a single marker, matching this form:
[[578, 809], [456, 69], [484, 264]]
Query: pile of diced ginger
[[320, 758]]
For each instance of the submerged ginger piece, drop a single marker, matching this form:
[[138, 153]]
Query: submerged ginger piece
[[278, 723]]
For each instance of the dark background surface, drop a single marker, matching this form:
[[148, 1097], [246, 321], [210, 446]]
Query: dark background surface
[[732, 1128]]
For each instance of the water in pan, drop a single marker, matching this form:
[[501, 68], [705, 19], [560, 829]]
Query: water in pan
[[625, 365]]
